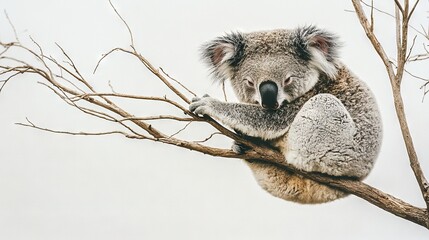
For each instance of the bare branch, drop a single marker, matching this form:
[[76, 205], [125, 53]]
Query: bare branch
[[98, 105], [374, 8], [368, 193], [32, 125], [181, 130], [162, 117], [372, 16], [418, 57], [415, 76], [70, 82], [398, 39], [151, 68], [411, 49], [60, 93], [224, 92], [103, 57], [16, 72], [183, 86], [71, 63], [374, 40], [111, 87], [395, 80], [424, 34], [209, 137], [413, 8], [123, 20], [122, 95], [12, 26], [423, 86], [399, 6], [77, 74]]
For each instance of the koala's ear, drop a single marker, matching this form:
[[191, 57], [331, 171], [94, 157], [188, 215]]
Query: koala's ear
[[223, 54], [319, 47]]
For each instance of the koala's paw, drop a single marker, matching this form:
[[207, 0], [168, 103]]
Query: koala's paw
[[202, 106], [239, 148]]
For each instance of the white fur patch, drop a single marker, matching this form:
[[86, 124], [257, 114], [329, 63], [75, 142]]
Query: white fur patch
[[224, 70], [228, 51], [294, 157], [319, 60], [310, 82], [282, 96], [223, 67]]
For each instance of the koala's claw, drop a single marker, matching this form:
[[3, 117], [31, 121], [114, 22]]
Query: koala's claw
[[196, 99], [201, 105], [239, 148]]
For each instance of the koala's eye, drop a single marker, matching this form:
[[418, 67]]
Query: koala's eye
[[288, 80], [249, 82]]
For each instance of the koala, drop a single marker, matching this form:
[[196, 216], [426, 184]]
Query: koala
[[295, 96]]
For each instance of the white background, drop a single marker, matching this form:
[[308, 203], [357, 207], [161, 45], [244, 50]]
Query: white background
[[65, 187]]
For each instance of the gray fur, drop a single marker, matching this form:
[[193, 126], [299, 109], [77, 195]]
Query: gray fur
[[327, 120]]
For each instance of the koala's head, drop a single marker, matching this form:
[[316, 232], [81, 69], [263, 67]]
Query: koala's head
[[273, 67]]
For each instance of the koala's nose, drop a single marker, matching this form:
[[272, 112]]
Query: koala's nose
[[269, 91]]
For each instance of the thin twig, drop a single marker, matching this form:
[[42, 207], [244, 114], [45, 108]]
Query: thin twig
[[71, 63], [122, 95], [78, 76], [111, 87], [178, 82], [418, 57], [123, 20], [398, 28], [415, 76], [399, 6], [155, 71], [372, 16], [70, 82], [103, 56], [424, 34], [4, 81], [32, 125], [12, 26], [181, 130], [412, 9], [374, 40], [209, 137], [161, 117], [411, 49], [224, 92]]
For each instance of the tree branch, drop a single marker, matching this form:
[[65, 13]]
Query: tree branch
[[98, 105], [396, 79]]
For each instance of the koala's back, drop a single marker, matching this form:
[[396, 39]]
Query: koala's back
[[360, 104]]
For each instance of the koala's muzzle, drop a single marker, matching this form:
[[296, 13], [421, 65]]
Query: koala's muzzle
[[269, 91]]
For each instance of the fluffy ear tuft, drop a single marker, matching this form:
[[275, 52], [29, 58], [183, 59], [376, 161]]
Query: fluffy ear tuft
[[319, 47], [223, 54]]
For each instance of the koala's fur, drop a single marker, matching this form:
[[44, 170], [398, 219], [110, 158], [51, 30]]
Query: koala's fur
[[298, 97]]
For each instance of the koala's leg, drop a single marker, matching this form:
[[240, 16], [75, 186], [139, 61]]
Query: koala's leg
[[321, 139]]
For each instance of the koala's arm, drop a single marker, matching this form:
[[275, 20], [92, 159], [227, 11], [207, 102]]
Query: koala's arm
[[251, 120]]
